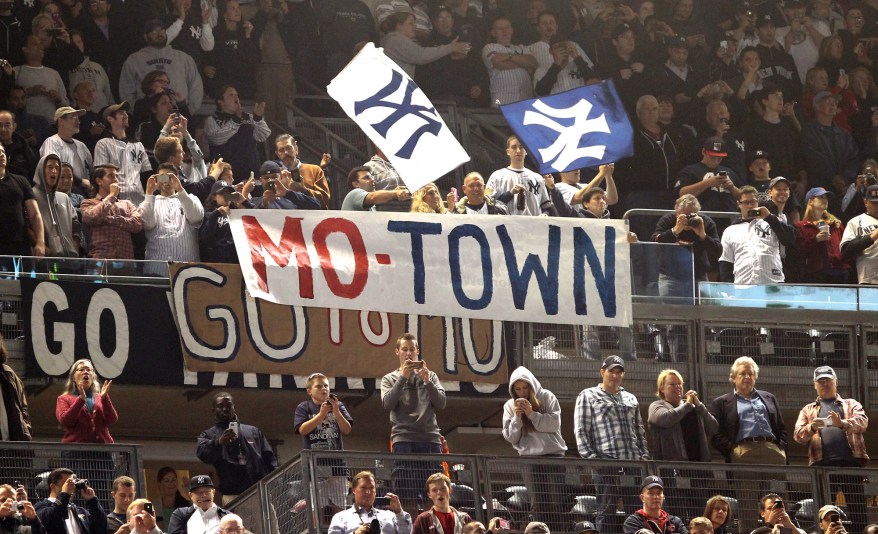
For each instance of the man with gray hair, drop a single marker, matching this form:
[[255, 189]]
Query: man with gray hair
[[751, 429], [696, 236], [231, 524]]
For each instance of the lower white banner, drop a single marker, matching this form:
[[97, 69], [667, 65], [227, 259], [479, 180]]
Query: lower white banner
[[531, 269]]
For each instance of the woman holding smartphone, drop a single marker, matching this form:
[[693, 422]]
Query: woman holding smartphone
[[532, 424], [819, 242]]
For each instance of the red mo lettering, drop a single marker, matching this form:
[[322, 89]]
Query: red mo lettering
[[292, 244]]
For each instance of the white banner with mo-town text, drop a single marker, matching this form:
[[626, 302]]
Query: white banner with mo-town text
[[532, 269]]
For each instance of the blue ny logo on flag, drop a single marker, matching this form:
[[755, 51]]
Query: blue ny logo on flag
[[431, 125], [585, 127]]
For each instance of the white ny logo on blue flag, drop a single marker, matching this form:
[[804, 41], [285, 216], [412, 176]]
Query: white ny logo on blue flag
[[585, 127]]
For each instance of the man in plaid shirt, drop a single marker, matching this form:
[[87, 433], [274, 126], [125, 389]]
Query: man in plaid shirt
[[833, 429], [110, 219], [608, 424]]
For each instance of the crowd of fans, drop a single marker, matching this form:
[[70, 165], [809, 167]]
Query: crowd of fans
[[108, 157], [745, 426]]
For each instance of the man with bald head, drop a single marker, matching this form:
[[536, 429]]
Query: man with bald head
[[475, 201], [718, 124], [21, 159]]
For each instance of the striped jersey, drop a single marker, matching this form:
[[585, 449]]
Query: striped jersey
[[507, 85], [131, 159], [73, 152], [753, 248], [171, 225]]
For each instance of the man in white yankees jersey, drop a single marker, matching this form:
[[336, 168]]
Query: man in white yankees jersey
[[858, 240], [129, 156], [751, 245]]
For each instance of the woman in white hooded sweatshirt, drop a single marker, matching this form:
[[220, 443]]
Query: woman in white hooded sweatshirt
[[532, 424]]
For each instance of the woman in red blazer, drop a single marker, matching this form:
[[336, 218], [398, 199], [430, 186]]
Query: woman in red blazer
[[85, 410]]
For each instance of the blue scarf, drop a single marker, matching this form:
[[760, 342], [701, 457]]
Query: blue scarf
[[89, 399]]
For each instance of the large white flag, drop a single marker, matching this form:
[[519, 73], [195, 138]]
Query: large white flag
[[397, 116]]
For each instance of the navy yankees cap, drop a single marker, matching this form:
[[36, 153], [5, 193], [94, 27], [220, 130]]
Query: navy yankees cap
[[652, 481], [583, 526], [613, 361], [872, 193], [270, 167], [200, 481], [764, 19]]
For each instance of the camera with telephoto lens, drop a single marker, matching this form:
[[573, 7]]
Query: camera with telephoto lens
[[80, 483]]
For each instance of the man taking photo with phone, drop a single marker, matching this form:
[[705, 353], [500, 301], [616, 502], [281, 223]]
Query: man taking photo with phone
[[412, 394], [774, 515], [368, 515], [833, 428], [240, 453], [751, 245], [715, 185]]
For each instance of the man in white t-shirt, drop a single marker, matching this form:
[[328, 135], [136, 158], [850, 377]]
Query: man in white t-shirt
[[517, 189], [858, 240], [751, 245], [509, 65]]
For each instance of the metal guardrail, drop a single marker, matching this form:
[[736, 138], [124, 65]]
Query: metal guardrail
[[30, 462], [302, 495], [702, 341]]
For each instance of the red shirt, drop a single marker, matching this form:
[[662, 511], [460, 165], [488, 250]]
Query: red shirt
[[446, 519]]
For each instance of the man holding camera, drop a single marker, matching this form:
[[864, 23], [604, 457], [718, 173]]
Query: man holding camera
[[833, 429], [697, 234], [751, 245], [59, 515], [17, 514], [240, 453], [364, 517]]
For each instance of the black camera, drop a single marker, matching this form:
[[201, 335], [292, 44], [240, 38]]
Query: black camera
[[80, 483], [870, 178]]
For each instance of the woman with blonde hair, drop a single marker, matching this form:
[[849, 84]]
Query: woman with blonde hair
[[671, 414], [819, 242], [428, 200], [85, 410]]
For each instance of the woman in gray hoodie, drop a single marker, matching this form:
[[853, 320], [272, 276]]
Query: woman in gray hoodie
[[61, 225], [532, 424]]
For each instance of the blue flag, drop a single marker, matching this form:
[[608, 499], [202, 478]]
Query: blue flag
[[584, 127]]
